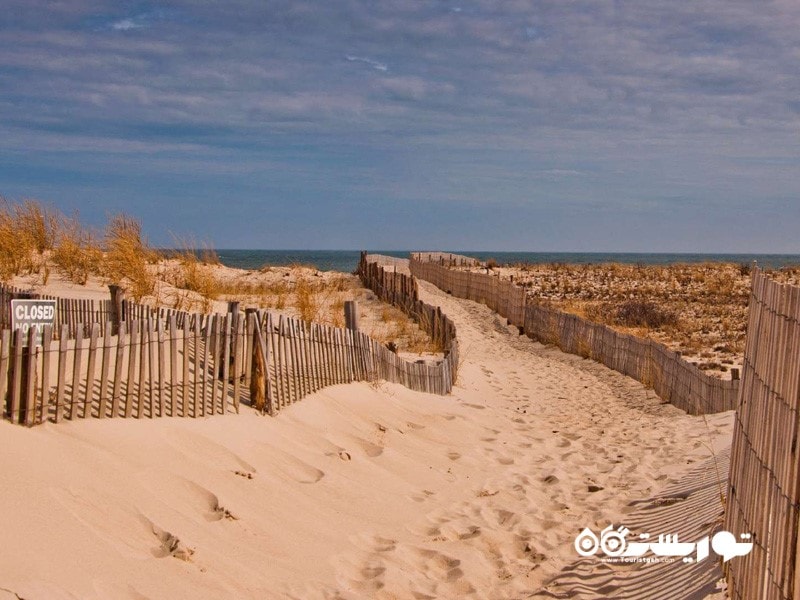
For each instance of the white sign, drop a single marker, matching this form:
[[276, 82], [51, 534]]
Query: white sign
[[32, 313]]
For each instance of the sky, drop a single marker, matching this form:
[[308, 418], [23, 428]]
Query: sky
[[553, 125]]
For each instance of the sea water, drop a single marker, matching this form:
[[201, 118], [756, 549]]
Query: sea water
[[346, 260]]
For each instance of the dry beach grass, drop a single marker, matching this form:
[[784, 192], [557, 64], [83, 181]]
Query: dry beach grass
[[697, 309]]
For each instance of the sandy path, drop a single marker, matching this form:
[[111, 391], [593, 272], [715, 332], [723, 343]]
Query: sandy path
[[358, 491], [566, 444]]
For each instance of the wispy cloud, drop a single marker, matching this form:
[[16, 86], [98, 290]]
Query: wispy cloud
[[372, 63], [127, 24]]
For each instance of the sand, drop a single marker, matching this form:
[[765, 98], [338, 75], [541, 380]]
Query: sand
[[358, 491]]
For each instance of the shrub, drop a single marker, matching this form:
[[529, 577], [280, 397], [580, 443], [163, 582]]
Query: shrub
[[76, 252], [306, 300], [26, 232], [641, 313], [36, 226], [127, 256], [195, 273]]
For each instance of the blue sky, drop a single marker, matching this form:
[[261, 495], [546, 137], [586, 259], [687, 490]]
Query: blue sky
[[559, 125]]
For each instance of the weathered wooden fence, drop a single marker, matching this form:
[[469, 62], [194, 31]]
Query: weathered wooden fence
[[764, 482], [501, 295], [447, 259], [402, 291], [671, 377], [150, 369], [72, 312], [163, 362]]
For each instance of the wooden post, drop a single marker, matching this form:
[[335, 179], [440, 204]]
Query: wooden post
[[117, 296], [29, 399], [47, 340], [351, 315], [258, 372]]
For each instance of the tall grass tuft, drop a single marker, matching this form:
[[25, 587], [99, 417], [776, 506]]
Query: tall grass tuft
[[306, 300], [26, 233], [36, 225], [128, 256], [198, 276], [76, 252]]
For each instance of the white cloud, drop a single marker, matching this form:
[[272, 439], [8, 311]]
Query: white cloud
[[372, 63], [126, 25]]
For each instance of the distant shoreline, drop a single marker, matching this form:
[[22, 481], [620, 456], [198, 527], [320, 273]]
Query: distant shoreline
[[346, 260]]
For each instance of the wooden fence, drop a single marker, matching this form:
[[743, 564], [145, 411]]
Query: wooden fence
[[150, 369], [72, 312], [446, 259], [77, 313], [169, 363], [649, 362], [402, 291], [501, 295], [764, 483]]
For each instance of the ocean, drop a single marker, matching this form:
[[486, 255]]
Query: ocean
[[346, 260]]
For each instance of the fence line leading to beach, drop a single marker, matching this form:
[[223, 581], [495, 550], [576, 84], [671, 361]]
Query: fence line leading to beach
[[764, 483], [448, 259], [653, 364], [163, 362], [402, 291]]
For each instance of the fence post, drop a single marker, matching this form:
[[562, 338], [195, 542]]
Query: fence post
[[258, 372], [351, 315], [233, 312], [117, 297]]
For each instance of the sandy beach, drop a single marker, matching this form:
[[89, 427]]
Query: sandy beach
[[358, 491]]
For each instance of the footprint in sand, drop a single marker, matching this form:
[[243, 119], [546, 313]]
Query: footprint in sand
[[381, 544], [206, 451], [294, 468], [453, 455], [505, 518], [370, 449], [440, 565], [422, 496], [365, 577], [472, 531], [168, 543]]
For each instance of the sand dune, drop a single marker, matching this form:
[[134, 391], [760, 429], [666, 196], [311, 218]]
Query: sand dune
[[359, 491]]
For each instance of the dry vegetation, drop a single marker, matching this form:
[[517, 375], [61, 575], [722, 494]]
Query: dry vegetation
[[698, 309], [36, 240]]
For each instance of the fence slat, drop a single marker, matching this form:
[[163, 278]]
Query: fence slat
[[47, 349], [5, 352], [31, 360], [76, 374], [133, 355], [226, 357]]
